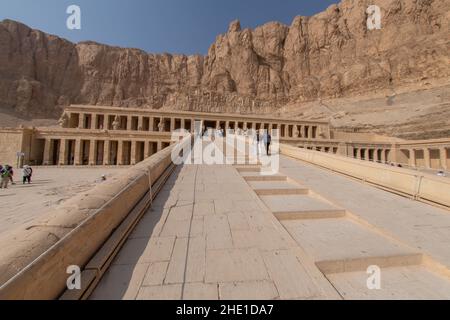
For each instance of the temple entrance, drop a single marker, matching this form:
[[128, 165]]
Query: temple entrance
[[187, 124], [113, 149], [126, 153], [100, 148], [139, 156], [210, 125], [70, 152], [85, 146]]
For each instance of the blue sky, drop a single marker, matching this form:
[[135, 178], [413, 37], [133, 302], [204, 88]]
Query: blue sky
[[174, 26]]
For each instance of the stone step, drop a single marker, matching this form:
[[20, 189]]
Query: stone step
[[242, 161], [257, 176], [295, 206], [248, 168], [408, 282], [268, 188], [341, 245], [362, 264]]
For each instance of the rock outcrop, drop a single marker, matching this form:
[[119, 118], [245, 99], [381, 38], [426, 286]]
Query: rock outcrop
[[329, 55]]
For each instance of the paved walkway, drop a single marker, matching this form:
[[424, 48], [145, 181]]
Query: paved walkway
[[208, 236], [224, 232]]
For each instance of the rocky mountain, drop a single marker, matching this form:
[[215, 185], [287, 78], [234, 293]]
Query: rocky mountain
[[329, 55]]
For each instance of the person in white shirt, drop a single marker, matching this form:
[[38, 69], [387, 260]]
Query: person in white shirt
[[27, 172]]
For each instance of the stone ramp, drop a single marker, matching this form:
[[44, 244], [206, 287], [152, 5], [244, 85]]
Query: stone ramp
[[407, 282], [343, 248], [231, 232], [208, 236], [339, 245], [413, 223]]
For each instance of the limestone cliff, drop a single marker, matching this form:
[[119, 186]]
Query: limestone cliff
[[329, 55]]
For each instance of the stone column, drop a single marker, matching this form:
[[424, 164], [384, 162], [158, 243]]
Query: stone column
[[106, 152], [192, 125], [359, 154], [150, 124], [172, 124], [412, 158], [77, 155], [129, 118], [426, 153], [140, 123], [93, 121], [159, 146], [443, 156], [120, 153], [375, 155], [81, 120], [183, 124], [63, 152], [47, 152], [92, 153], [105, 121], [133, 153]]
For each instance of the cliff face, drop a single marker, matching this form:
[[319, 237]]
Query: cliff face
[[329, 55]]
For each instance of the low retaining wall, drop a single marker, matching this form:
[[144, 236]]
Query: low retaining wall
[[33, 261], [418, 185]]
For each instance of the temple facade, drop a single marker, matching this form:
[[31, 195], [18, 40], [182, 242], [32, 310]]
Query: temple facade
[[109, 136]]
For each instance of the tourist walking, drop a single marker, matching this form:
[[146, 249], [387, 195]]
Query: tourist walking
[[267, 140], [27, 172], [11, 173], [4, 177], [258, 141]]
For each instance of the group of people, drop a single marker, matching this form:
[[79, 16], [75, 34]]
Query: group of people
[[7, 175], [266, 139]]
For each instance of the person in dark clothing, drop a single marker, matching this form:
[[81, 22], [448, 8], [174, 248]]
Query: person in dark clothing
[[258, 141], [11, 173], [267, 141], [4, 177]]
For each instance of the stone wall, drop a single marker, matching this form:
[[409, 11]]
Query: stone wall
[[10, 144]]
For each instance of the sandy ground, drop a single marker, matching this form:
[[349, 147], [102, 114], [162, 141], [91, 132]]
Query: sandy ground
[[50, 187]]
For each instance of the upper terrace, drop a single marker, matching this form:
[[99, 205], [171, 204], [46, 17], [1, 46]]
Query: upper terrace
[[95, 135]]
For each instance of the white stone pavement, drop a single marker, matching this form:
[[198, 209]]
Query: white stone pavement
[[208, 236], [213, 233], [417, 224]]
